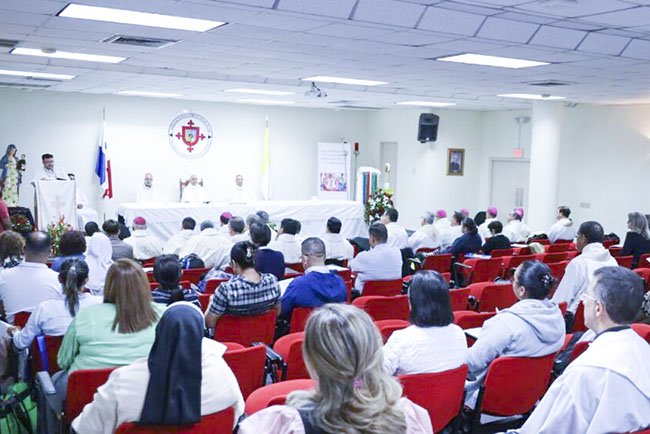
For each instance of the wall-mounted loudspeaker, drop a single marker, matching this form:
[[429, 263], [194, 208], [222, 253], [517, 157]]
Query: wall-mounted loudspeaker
[[428, 127]]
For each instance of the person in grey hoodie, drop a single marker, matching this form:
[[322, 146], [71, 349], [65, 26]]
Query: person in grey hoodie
[[563, 229], [532, 327]]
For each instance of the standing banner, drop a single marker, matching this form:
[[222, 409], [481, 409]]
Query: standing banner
[[55, 201], [334, 161]]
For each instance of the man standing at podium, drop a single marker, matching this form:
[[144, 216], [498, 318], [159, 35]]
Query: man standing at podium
[[48, 171]]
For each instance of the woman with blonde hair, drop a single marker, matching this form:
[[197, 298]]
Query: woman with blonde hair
[[353, 394], [636, 241]]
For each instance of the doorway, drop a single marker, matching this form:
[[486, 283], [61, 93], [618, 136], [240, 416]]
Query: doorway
[[509, 179]]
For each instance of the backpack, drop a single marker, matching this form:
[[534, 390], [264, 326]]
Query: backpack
[[191, 261]]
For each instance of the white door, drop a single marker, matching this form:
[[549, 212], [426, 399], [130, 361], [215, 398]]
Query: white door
[[509, 186], [388, 165]]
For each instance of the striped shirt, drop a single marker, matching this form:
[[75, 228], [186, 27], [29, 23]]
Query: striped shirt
[[241, 297]]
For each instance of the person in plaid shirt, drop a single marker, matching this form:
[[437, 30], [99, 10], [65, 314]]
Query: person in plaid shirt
[[248, 292]]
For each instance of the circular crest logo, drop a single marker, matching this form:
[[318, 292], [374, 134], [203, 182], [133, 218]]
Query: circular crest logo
[[190, 135]]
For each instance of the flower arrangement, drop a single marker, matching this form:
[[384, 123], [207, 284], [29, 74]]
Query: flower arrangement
[[55, 230], [21, 223], [377, 204]]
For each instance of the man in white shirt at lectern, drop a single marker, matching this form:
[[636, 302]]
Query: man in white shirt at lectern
[[240, 194], [194, 192], [48, 171], [146, 192]]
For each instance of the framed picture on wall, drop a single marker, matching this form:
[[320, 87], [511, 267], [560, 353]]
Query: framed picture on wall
[[455, 162]]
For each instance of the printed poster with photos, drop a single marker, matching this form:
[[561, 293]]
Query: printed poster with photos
[[334, 161]]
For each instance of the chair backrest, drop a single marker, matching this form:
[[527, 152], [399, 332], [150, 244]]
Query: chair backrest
[[204, 299], [514, 384], [563, 305], [578, 349], [385, 288], [212, 284], [515, 261], [624, 261], [149, 262], [557, 269], [247, 329], [643, 261], [379, 307], [644, 273], [440, 393], [290, 348], [439, 263], [459, 298], [499, 253], [296, 267], [21, 318], [194, 275], [275, 393], [486, 270], [82, 385], [615, 251], [467, 319], [221, 422], [299, 316], [579, 319], [248, 366], [558, 247], [46, 361], [551, 258], [388, 326], [642, 329], [611, 242], [495, 296]]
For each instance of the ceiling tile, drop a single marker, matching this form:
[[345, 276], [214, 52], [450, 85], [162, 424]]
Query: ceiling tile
[[464, 7], [351, 30], [605, 44], [411, 38], [570, 9], [284, 21], [526, 18], [638, 49], [507, 30], [557, 37], [454, 22], [330, 8], [635, 16], [388, 12]]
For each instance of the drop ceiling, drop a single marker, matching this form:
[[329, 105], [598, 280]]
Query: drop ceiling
[[600, 49]]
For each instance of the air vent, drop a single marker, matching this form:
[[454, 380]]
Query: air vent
[[548, 83], [359, 107], [343, 102], [8, 43], [139, 41], [25, 86]]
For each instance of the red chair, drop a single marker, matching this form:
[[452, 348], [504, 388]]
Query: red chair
[[379, 308], [519, 251], [482, 270], [388, 326], [624, 261], [499, 253], [557, 269], [299, 316], [246, 329], [446, 276], [424, 250], [513, 385], [231, 346], [21, 318], [643, 261], [148, 263], [559, 247], [552, 258], [82, 385], [459, 298], [511, 263], [212, 284], [563, 305], [220, 422], [274, 394], [194, 275], [445, 402], [290, 348], [615, 251], [492, 296], [296, 267], [610, 243], [46, 361], [439, 263], [384, 288], [579, 319], [248, 365], [572, 254], [579, 348], [204, 299], [150, 277], [468, 319], [644, 273], [645, 431], [642, 329]]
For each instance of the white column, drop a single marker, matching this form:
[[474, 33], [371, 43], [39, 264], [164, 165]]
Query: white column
[[544, 164]]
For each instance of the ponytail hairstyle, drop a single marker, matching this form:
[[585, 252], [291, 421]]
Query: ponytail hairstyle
[[72, 275], [536, 277], [243, 254]]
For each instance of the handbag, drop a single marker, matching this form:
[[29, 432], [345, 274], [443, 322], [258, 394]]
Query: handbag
[[18, 411]]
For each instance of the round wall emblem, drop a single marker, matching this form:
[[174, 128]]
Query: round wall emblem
[[190, 135]]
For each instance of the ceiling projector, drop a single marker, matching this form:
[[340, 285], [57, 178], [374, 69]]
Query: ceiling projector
[[315, 92]]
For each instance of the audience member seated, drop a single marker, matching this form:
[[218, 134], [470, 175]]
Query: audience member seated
[[176, 243], [496, 239], [352, 394], [469, 242], [209, 245], [381, 262], [336, 246], [417, 348], [237, 230], [318, 285], [427, 237], [71, 246], [636, 240], [490, 216], [224, 218], [12, 249], [167, 272], [52, 317], [516, 230], [267, 259], [441, 222], [25, 286], [287, 241], [607, 388], [265, 219], [581, 268], [119, 248], [99, 261], [248, 292], [397, 236], [89, 229], [113, 333], [184, 378], [453, 231], [145, 245], [563, 229], [252, 219], [532, 327]]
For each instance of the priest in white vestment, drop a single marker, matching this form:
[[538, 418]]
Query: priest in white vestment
[[453, 231], [48, 171], [427, 237], [336, 246], [145, 246], [237, 230], [210, 245], [490, 216], [176, 243], [516, 230], [239, 193], [287, 242], [607, 388], [397, 236], [563, 229], [147, 193], [194, 192]]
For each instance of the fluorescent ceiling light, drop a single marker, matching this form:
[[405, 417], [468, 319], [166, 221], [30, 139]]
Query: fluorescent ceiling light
[[264, 101], [502, 62], [260, 91], [37, 75], [153, 94], [140, 18], [426, 103], [67, 55], [530, 96], [341, 80]]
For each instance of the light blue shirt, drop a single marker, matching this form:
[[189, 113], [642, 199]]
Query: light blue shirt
[[382, 262]]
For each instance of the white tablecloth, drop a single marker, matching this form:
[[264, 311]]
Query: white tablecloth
[[165, 219]]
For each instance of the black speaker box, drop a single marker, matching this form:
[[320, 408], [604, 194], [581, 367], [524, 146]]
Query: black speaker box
[[428, 127]]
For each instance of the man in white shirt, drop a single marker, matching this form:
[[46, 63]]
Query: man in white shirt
[[23, 287], [516, 230], [239, 194], [441, 222], [490, 216], [582, 268], [48, 171], [176, 243], [607, 388], [194, 192], [455, 230], [237, 230], [563, 229], [287, 242], [336, 246], [224, 218], [427, 237], [381, 262], [145, 246], [397, 236], [210, 245], [85, 214], [146, 192]]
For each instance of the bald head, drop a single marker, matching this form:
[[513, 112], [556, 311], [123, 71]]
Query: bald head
[[37, 247]]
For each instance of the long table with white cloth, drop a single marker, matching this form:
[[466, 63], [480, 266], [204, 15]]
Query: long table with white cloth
[[164, 219]]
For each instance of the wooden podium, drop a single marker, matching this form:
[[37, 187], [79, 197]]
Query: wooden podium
[[55, 199]]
